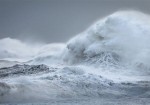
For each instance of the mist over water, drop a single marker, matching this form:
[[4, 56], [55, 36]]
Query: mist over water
[[124, 33], [115, 49]]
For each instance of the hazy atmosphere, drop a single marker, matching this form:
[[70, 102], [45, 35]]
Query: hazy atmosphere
[[57, 20], [75, 52]]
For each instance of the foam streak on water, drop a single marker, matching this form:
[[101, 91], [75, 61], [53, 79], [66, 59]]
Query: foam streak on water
[[109, 59]]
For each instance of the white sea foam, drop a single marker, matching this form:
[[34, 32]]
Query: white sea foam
[[17, 50], [14, 49], [120, 39], [123, 36], [94, 63]]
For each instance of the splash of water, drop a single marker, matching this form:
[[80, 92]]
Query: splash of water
[[113, 50]]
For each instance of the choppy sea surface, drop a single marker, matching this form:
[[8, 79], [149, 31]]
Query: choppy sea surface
[[107, 64]]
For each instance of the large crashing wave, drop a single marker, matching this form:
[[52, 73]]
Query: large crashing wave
[[111, 58], [118, 40], [122, 37]]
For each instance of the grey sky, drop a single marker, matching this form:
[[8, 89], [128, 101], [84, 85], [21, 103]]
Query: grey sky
[[57, 20]]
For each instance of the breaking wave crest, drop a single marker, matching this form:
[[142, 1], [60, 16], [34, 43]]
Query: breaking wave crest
[[122, 37], [110, 58], [16, 50]]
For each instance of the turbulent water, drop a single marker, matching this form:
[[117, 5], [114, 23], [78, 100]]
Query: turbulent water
[[109, 61]]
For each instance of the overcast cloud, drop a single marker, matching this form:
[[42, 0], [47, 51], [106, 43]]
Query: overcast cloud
[[57, 20]]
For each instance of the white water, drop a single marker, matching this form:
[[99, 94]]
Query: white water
[[116, 47], [124, 33]]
